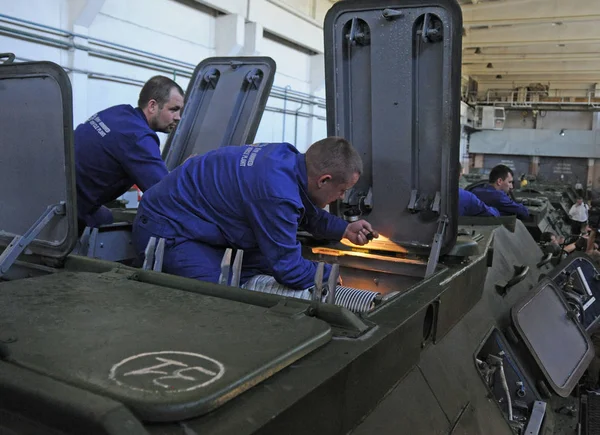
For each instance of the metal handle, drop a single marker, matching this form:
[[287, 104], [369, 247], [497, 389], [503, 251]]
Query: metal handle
[[10, 58], [545, 260], [519, 275]]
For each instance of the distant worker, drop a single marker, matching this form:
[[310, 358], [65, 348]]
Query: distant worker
[[470, 205], [496, 193], [579, 216], [118, 147], [524, 181], [579, 188], [254, 198]]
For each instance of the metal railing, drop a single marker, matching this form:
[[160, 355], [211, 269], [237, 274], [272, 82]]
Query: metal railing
[[522, 98]]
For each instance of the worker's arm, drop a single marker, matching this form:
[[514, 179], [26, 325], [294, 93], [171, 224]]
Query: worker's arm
[[508, 206], [470, 205], [274, 223], [572, 211], [142, 161], [325, 225]]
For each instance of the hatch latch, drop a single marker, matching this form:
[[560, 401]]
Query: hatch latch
[[436, 246], [20, 243], [419, 202]]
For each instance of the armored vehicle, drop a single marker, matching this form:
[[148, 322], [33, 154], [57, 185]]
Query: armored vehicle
[[467, 328]]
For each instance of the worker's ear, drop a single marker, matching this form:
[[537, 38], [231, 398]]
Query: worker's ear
[[323, 180], [152, 106]]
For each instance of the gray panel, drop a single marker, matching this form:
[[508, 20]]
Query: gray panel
[[551, 168], [421, 414], [558, 342], [395, 94], [36, 167], [106, 333], [224, 103], [519, 164], [521, 141]]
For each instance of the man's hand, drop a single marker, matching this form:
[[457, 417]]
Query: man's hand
[[360, 232]]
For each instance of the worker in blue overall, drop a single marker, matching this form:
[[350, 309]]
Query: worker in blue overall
[[496, 193], [254, 198], [118, 147], [470, 205]]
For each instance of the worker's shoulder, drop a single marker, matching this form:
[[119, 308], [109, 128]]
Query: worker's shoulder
[[272, 170], [126, 120], [277, 158]]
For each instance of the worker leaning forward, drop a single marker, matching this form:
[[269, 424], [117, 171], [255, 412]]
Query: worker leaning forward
[[253, 198]]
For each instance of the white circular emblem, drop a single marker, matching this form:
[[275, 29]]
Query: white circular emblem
[[167, 371]]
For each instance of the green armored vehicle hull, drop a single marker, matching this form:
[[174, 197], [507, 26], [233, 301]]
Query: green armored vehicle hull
[[466, 328]]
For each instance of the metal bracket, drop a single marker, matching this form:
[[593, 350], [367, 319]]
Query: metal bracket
[[535, 419], [20, 243], [413, 203], [154, 254], [334, 274], [419, 202], [318, 288], [436, 246], [435, 206], [226, 269]]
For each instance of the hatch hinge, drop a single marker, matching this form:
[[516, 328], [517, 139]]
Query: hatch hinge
[[418, 202], [359, 33], [20, 243], [436, 246], [431, 30], [253, 78], [211, 78]]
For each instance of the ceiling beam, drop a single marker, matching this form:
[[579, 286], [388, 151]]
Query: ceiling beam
[[540, 49], [534, 34], [529, 12], [526, 58]]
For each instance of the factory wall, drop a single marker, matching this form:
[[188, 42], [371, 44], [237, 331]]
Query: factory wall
[[111, 47], [559, 145]]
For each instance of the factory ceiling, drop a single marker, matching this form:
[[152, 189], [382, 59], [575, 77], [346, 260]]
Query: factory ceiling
[[511, 43]]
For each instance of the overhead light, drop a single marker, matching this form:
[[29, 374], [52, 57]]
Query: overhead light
[[489, 65], [562, 132]]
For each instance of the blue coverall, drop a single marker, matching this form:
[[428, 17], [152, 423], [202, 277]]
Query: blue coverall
[[246, 197], [500, 201], [470, 205], [114, 149]]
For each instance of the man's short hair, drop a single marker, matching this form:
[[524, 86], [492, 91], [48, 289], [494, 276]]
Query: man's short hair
[[334, 156], [157, 88], [500, 171]]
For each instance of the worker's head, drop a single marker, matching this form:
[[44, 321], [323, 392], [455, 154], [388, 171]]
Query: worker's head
[[460, 170], [501, 177], [161, 100], [579, 200], [333, 166]]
